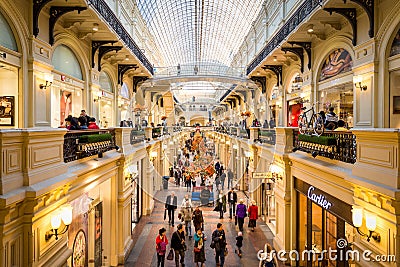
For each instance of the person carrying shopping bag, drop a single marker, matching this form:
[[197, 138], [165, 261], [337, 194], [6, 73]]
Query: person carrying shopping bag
[[199, 253]]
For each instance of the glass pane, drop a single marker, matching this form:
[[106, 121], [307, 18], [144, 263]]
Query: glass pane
[[105, 82], [302, 228], [7, 38], [331, 235], [316, 229], [64, 60]]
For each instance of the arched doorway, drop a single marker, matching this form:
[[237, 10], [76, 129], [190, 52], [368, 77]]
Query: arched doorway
[[394, 85], [67, 91], [106, 101], [9, 77]]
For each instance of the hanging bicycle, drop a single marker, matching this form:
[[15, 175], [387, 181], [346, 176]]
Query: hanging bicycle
[[311, 124]]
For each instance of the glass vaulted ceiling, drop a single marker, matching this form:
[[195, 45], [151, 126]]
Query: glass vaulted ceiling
[[193, 31]]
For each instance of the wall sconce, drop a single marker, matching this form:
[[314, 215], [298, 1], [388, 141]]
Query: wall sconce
[[153, 155], [98, 96], [95, 27], [358, 83], [65, 214], [227, 142], [370, 222], [247, 154], [310, 28], [235, 146], [276, 171], [48, 77]]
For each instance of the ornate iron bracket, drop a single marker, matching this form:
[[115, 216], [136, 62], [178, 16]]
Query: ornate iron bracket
[[369, 8], [96, 45], [298, 52], [104, 50], [351, 15], [261, 80], [307, 47], [37, 7], [122, 68], [55, 13], [277, 69], [137, 80]]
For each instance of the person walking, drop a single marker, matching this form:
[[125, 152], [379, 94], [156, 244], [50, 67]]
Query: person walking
[[187, 214], [221, 204], [241, 214], [239, 244], [253, 215], [219, 243], [199, 253], [186, 202], [161, 247], [178, 245], [222, 178], [171, 204], [232, 200], [198, 219], [230, 178]]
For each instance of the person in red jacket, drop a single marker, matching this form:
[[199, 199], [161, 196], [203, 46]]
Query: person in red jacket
[[92, 124], [161, 246], [253, 215]]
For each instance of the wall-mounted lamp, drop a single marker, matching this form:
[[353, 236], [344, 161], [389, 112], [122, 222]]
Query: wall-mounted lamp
[[247, 154], [48, 77], [227, 142], [65, 214], [370, 222], [153, 155], [276, 171], [358, 83], [98, 96]]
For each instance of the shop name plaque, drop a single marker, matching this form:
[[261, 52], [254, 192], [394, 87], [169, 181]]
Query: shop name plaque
[[318, 199]]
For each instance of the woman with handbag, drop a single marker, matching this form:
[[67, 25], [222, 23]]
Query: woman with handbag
[[253, 215], [161, 246], [199, 253]]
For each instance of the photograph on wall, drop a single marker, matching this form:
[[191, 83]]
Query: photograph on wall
[[98, 239], [78, 229], [396, 105], [339, 61], [395, 50], [65, 105], [7, 111]]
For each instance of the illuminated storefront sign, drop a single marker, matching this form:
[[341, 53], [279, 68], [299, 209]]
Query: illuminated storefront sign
[[318, 199]]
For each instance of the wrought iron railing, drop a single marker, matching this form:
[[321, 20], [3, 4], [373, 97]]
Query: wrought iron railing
[[75, 147], [343, 148], [244, 134], [109, 16], [137, 136], [292, 23], [267, 136]]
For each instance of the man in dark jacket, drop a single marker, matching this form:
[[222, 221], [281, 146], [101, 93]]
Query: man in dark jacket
[[230, 178], [178, 245], [219, 239], [232, 200], [222, 179], [171, 203]]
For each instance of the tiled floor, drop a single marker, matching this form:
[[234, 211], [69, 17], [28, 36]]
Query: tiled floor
[[144, 254]]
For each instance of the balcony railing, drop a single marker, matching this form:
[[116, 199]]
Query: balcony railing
[[267, 136], [156, 132], [109, 16], [244, 134], [334, 145], [137, 136], [82, 144]]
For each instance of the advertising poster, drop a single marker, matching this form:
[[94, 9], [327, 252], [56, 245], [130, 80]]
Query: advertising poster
[[7, 111], [98, 239]]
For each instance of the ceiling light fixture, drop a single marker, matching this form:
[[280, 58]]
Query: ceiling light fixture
[[127, 57], [310, 28], [95, 27], [275, 58]]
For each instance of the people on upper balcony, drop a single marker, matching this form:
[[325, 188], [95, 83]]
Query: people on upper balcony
[[92, 124], [331, 119], [83, 122], [256, 123], [72, 123], [341, 126], [272, 123], [83, 113]]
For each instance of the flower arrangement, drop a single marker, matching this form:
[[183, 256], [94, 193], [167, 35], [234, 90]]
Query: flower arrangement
[[246, 113], [163, 118]]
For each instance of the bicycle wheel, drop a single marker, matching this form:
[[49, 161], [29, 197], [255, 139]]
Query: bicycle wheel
[[302, 123], [318, 125]]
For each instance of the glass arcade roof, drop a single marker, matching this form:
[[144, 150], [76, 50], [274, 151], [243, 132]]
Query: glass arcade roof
[[191, 31]]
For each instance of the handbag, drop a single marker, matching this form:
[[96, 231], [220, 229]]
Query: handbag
[[212, 244], [170, 256], [196, 250], [226, 252]]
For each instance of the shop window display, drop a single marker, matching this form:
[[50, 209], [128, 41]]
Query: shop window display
[[341, 99]]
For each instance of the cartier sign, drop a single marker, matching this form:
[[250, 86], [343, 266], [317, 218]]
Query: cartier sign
[[319, 199]]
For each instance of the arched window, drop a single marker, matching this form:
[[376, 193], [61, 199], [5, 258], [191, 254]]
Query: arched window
[[64, 60], [395, 49], [105, 82], [124, 92], [7, 38]]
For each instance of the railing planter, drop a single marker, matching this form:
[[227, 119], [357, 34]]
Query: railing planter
[[334, 145], [156, 132], [86, 143], [244, 134], [267, 136]]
